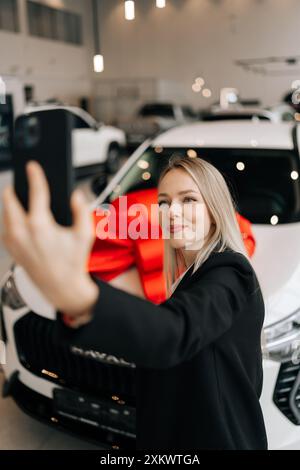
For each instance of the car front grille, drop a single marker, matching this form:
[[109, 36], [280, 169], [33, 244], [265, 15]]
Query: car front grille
[[287, 391], [42, 354]]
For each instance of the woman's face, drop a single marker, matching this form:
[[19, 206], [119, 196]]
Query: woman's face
[[183, 214]]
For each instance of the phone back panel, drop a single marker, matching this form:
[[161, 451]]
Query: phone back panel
[[46, 136]]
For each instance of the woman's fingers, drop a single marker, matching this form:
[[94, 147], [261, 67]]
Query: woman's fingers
[[82, 217], [15, 232], [76, 322], [39, 192], [14, 214]]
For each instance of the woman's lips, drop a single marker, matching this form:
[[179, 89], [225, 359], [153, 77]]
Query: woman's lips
[[176, 228]]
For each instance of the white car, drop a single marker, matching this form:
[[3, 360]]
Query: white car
[[240, 113], [261, 164], [153, 118], [95, 145]]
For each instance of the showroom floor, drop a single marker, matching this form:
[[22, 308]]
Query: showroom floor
[[17, 430]]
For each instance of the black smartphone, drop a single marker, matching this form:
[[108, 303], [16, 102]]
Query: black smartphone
[[46, 136]]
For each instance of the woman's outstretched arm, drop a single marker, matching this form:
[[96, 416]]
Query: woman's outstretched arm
[[162, 336], [130, 282], [117, 322]]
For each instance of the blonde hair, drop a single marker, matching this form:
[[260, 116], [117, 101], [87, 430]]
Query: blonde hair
[[224, 231]]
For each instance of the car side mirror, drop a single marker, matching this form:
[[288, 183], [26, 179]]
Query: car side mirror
[[98, 125]]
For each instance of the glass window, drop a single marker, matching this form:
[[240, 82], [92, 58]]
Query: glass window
[[52, 23], [80, 123], [41, 20], [164, 110], [260, 181], [72, 28], [233, 116], [188, 112], [9, 20], [60, 25]]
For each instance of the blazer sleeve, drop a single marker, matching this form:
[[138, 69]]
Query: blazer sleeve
[[164, 335]]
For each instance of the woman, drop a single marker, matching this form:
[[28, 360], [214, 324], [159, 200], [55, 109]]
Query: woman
[[198, 354]]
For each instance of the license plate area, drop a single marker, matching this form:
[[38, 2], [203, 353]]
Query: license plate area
[[114, 417]]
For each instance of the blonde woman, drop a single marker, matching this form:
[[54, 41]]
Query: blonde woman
[[198, 354]]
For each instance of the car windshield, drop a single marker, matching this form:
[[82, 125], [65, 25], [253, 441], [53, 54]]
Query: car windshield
[[233, 117], [164, 110], [189, 112], [264, 183]]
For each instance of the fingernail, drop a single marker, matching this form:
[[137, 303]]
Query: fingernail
[[68, 320]]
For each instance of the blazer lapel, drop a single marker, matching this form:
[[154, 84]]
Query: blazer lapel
[[184, 279], [189, 273]]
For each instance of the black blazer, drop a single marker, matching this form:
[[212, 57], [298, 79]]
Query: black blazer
[[198, 355]]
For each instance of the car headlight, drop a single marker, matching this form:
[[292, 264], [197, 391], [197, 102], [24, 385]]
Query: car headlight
[[10, 296], [281, 340]]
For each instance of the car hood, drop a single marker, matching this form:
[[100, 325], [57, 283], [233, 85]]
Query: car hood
[[277, 264], [31, 295]]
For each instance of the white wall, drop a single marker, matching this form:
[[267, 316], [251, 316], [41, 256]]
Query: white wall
[[186, 39], [56, 69], [202, 37]]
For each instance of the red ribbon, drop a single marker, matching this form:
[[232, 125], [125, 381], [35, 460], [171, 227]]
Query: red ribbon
[[114, 255]]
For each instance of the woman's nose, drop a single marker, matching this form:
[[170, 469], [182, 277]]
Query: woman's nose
[[175, 209]]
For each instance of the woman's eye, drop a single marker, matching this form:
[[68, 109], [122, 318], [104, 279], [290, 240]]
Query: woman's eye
[[162, 203], [189, 199]]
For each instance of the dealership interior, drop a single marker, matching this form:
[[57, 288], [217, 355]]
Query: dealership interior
[[140, 81]]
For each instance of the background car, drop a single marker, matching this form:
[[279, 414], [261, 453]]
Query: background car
[[261, 164], [153, 118], [239, 113], [96, 146]]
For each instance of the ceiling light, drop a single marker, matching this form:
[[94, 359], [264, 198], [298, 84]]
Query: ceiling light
[[196, 87], [200, 81], [98, 63], [274, 220], [191, 153], [129, 10], [240, 166], [294, 175], [206, 93]]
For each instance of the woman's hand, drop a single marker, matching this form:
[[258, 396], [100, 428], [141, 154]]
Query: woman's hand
[[55, 257]]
